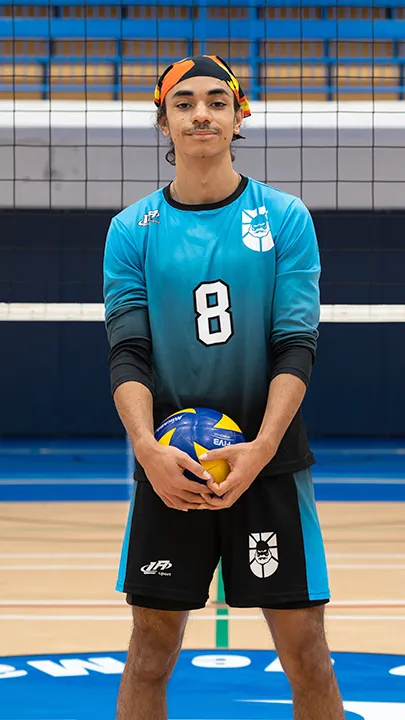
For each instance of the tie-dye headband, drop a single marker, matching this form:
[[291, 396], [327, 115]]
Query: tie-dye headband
[[200, 66]]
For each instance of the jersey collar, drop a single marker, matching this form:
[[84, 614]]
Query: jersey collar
[[207, 206]]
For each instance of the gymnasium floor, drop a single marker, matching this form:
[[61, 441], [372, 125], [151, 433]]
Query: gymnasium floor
[[64, 630]]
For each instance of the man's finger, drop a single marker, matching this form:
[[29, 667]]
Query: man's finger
[[191, 498], [216, 488], [223, 453], [192, 486], [169, 503], [227, 500], [215, 503], [225, 486], [189, 464]]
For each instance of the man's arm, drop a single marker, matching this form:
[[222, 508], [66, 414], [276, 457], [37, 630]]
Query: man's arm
[[134, 403], [130, 363], [286, 393], [295, 317], [164, 466]]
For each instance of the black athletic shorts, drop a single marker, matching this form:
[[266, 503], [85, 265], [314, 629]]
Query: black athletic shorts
[[269, 541]]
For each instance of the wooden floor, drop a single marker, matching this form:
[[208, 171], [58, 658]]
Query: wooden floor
[[58, 565]]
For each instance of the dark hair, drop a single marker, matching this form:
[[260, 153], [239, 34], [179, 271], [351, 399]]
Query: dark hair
[[171, 153]]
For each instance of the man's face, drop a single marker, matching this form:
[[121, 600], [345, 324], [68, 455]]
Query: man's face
[[262, 552], [201, 118]]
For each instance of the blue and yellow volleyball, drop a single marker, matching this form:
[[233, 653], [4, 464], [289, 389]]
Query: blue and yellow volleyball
[[198, 430]]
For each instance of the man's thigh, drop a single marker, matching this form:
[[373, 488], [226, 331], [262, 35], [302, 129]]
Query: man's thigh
[[294, 631]]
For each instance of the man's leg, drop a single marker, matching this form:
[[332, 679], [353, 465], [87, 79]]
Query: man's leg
[[153, 651], [299, 637]]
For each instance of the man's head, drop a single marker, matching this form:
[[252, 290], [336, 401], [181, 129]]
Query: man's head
[[200, 107], [263, 553]]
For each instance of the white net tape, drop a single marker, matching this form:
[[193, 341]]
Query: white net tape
[[94, 312]]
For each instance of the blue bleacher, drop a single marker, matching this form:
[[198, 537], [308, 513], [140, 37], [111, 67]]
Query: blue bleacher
[[316, 49]]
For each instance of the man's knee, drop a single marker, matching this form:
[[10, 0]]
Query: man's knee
[[308, 664], [154, 648], [301, 644]]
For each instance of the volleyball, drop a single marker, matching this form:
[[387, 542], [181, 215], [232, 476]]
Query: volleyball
[[198, 430]]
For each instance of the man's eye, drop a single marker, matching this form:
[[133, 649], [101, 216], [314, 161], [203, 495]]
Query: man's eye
[[184, 105], [218, 103]]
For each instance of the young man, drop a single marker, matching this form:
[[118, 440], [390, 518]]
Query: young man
[[211, 292]]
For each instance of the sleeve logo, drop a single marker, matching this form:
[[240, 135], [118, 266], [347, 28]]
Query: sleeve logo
[[150, 217], [256, 233]]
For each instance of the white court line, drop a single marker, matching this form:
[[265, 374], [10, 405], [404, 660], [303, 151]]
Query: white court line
[[367, 603], [65, 481], [318, 480], [103, 556], [127, 618], [62, 451], [60, 556], [58, 567], [361, 451], [363, 555], [366, 567], [355, 480], [114, 567], [118, 451], [120, 603], [64, 603]]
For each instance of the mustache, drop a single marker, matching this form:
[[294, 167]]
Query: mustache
[[201, 127]]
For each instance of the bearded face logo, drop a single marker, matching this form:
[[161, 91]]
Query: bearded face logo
[[263, 554], [256, 233], [259, 227]]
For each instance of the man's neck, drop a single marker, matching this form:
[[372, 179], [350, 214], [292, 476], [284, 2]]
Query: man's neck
[[204, 182]]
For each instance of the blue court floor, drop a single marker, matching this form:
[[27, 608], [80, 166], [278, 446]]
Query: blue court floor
[[206, 685], [99, 470]]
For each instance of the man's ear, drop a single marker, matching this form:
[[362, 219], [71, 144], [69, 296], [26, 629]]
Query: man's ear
[[164, 126], [238, 121]]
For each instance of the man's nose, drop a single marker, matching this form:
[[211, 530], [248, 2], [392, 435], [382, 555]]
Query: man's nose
[[201, 113]]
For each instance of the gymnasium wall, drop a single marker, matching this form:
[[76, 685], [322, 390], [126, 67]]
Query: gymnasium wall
[[54, 377]]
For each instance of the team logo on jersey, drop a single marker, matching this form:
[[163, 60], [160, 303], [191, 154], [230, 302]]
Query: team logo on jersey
[[263, 554], [150, 217], [256, 232]]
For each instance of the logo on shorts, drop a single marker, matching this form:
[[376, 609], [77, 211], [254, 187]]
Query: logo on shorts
[[256, 233], [263, 554], [157, 567]]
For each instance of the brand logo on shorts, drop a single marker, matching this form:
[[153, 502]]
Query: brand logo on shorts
[[263, 554], [150, 217], [157, 567], [256, 233]]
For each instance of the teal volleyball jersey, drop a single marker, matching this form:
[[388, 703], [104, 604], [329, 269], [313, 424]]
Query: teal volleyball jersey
[[222, 284]]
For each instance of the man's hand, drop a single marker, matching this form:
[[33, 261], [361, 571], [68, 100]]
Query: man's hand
[[246, 460], [164, 467]]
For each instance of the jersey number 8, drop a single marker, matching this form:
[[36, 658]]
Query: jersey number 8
[[212, 302]]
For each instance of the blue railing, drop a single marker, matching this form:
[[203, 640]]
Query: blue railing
[[253, 30], [195, 21]]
